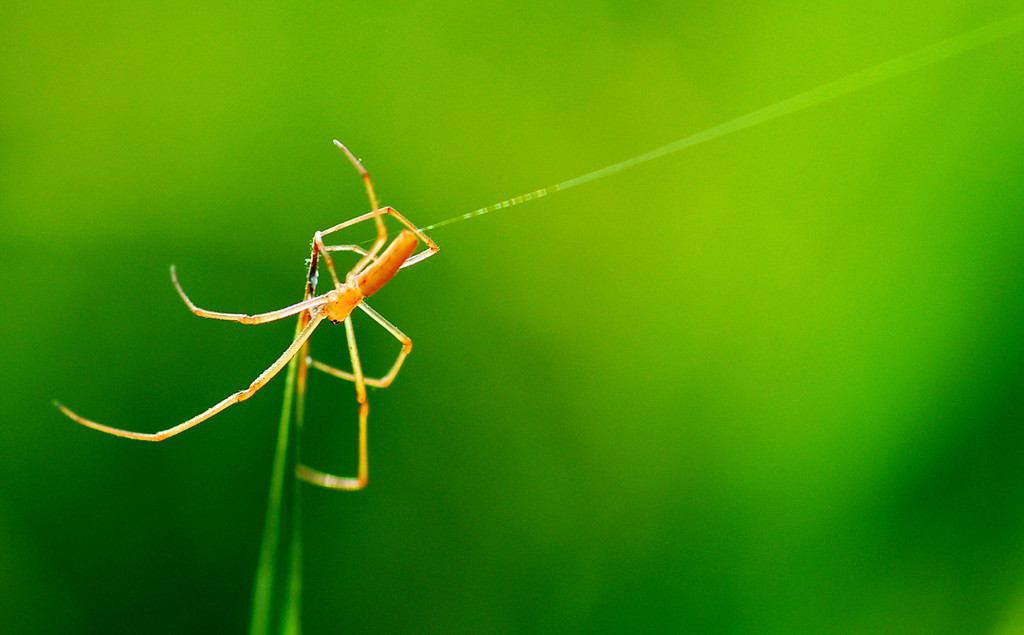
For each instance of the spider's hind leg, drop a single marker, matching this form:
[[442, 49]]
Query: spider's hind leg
[[382, 382], [330, 481]]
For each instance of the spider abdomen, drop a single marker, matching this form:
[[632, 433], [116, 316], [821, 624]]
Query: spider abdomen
[[387, 265]]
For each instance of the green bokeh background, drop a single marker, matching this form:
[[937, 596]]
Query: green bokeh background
[[771, 384]]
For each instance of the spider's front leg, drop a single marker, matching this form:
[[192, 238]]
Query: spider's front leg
[[378, 221], [307, 303], [371, 255], [377, 214]]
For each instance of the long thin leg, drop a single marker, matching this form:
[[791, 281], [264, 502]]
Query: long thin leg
[[382, 232], [259, 318], [319, 246], [362, 172], [331, 481], [431, 249], [356, 248], [304, 318], [241, 395], [386, 380], [367, 256]]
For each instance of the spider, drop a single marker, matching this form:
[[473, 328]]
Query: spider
[[369, 274]]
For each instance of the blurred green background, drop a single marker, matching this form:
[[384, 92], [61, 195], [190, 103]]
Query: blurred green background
[[771, 384]]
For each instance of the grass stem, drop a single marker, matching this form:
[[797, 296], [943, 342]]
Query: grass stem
[[277, 592]]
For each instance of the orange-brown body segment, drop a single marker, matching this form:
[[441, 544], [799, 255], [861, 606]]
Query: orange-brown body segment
[[387, 265]]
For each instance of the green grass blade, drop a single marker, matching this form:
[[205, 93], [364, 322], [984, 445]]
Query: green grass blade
[[276, 606]]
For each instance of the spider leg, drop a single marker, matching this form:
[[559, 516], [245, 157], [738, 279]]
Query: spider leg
[[331, 481], [386, 380], [362, 172], [355, 248], [319, 246], [260, 318], [382, 234], [241, 395], [431, 249], [378, 221], [303, 366]]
